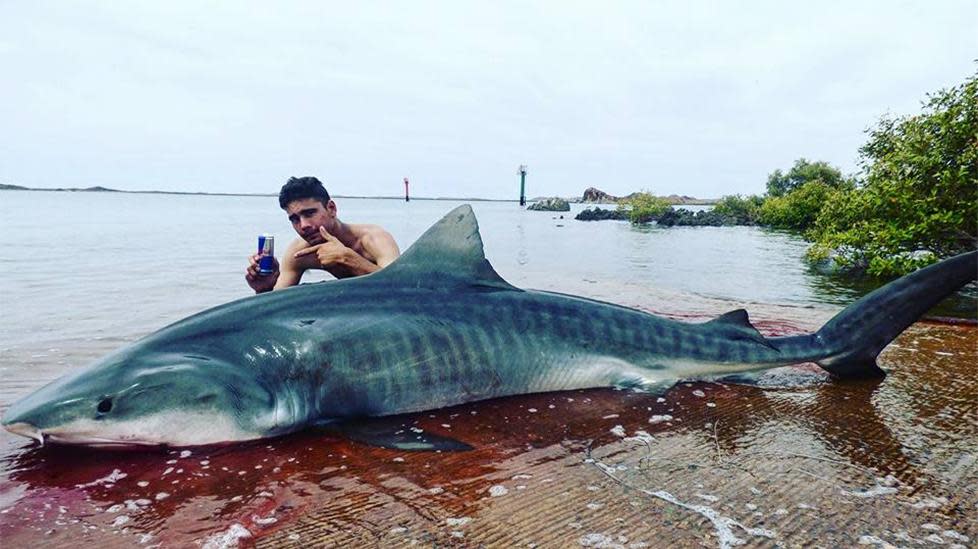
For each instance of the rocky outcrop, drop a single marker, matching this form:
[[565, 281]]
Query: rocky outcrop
[[672, 217], [684, 217], [597, 196], [600, 214], [554, 204]]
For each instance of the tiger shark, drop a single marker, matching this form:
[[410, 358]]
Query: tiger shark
[[438, 327]]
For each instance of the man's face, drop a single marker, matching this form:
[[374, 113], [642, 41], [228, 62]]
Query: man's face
[[308, 215]]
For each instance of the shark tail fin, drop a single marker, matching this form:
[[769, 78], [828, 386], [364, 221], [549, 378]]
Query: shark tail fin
[[858, 334]]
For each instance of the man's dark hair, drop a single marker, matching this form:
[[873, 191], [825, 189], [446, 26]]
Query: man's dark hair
[[297, 188]]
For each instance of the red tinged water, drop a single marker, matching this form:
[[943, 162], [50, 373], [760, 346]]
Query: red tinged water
[[795, 459]]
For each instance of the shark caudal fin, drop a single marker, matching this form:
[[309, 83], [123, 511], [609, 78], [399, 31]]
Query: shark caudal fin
[[858, 334]]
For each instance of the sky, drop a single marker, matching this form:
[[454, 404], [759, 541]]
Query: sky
[[693, 98]]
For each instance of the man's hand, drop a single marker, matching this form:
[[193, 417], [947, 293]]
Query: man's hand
[[335, 257], [261, 283], [331, 254]]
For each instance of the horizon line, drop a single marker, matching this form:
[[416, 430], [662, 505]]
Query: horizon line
[[99, 188]]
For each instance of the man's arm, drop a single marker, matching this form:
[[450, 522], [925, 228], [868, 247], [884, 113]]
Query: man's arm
[[290, 274], [292, 268], [344, 262]]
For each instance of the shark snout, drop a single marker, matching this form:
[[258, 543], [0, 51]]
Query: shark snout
[[25, 430]]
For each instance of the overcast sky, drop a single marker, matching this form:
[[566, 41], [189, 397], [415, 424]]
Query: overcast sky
[[695, 98]]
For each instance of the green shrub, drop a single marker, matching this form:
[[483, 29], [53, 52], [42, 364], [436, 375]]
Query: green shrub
[[744, 210], [644, 207], [920, 191], [799, 208], [781, 184]]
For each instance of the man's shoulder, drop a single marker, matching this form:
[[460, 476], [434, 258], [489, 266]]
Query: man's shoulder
[[296, 245], [363, 229], [366, 232]]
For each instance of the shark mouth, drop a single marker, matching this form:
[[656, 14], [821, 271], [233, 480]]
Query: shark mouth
[[30, 431], [26, 430]]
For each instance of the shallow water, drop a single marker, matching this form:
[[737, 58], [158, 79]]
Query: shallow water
[[798, 459]]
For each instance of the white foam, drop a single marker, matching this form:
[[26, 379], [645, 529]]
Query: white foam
[[873, 540], [722, 524], [600, 541], [263, 521], [955, 536], [498, 490], [119, 521], [930, 503], [113, 477], [872, 492], [227, 539]]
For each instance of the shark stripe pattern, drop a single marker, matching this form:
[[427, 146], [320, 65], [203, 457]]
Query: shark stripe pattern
[[438, 327]]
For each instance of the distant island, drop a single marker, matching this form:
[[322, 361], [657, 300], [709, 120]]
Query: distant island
[[591, 195], [100, 189], [597, 196]]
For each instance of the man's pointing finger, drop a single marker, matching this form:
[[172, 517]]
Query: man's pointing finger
[[307, 251]]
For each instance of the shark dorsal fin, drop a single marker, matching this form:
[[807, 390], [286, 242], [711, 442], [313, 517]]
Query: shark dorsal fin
[[449, 251]]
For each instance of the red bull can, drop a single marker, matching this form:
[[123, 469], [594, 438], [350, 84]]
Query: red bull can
[[266, 252]]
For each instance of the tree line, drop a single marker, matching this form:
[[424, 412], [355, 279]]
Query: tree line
[[913, 202]]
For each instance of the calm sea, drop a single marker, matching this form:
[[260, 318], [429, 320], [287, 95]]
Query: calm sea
[[88, 267], [86, 273]]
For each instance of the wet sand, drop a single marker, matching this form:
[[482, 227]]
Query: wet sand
[[795, 460]]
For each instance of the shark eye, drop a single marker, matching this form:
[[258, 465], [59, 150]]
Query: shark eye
[[105, 406]]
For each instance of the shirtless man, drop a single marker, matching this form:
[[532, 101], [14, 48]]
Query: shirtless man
[[324, 242]]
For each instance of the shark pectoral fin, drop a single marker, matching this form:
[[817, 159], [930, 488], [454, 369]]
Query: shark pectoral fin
[[396, 436]]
